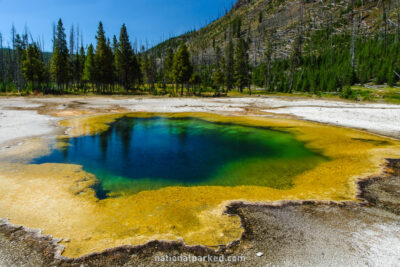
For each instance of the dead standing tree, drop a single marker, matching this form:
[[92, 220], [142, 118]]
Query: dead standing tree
[[269, 49], [297, 46], [353, 38], [384, 18]]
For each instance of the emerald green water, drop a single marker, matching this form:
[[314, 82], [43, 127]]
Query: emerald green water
[[137, 154]]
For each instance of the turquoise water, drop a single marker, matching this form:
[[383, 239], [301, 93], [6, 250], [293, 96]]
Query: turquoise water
[[137, 154]]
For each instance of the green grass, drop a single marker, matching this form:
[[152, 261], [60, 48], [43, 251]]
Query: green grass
[[383, 93], [369, 93]]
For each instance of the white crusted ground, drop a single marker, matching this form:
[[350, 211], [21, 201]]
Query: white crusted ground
[[378, 118], [17, 124]]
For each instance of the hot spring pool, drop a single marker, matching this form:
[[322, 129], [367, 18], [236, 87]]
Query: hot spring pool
[[137, 154]]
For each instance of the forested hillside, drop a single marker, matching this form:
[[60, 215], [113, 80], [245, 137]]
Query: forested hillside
[[280, 22], [312, 46]]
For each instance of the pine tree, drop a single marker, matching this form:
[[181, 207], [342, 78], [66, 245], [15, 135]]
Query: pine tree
[[89, 70], [195, 80], [81, 66], [110, 67], [237, 27], [218, 74], [124, 57], [152, 71], [218, 80], [33, 67], [229, 66], [103, 60], [181, 68], [145, 67], [61, 64], [149, 69], [168, 62], [139, 71], [241, 65], [136, 75], [115, 44], [20, 44]]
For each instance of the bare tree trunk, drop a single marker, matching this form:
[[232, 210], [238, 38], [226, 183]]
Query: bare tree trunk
[[182, 89], [384, 23], [2, 63], [353, 45], [300, 29], [353, 39], [14, 59], [268, 78], [331, 38], [398, 21]]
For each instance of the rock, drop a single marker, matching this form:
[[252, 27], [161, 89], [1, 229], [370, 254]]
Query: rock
[[259, 254]]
